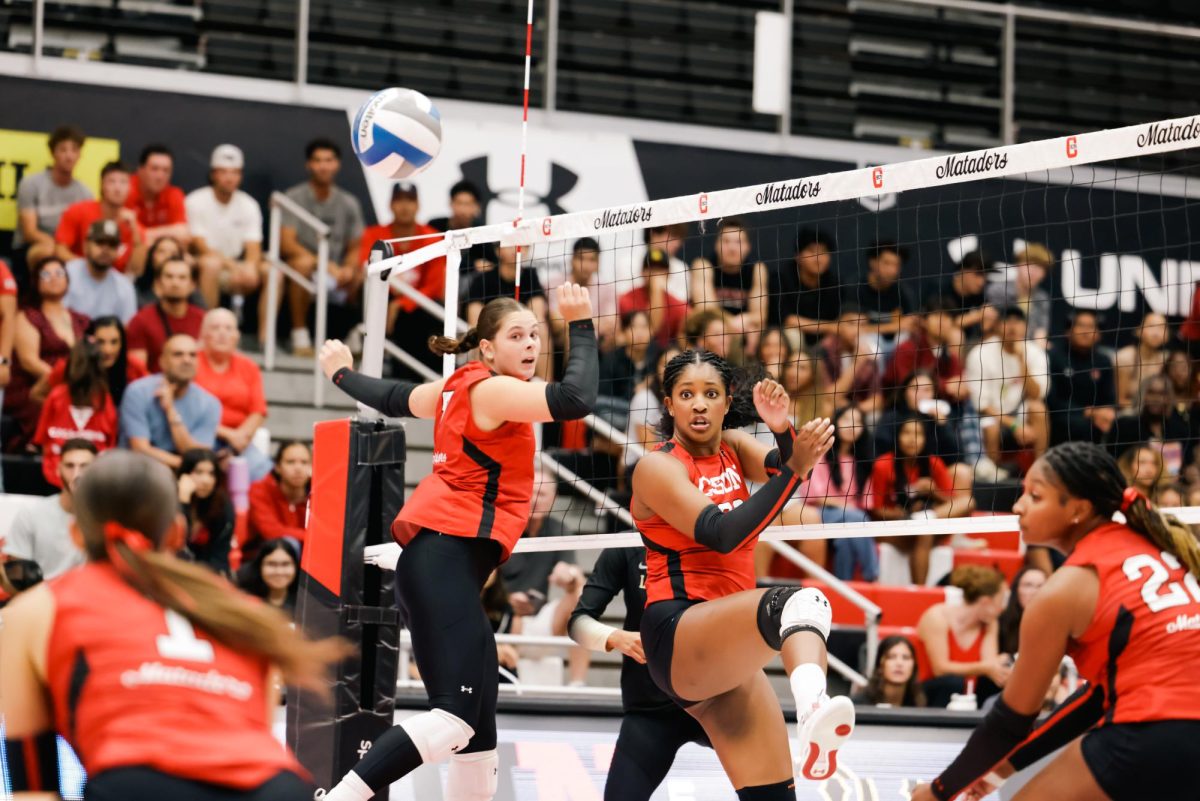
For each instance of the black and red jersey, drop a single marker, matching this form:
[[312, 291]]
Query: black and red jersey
[[678, 567], [482, 481]]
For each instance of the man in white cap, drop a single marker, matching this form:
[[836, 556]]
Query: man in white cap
[[226, 230]]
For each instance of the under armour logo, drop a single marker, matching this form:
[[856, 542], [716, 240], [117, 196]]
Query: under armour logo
[[467, 689], [562, 181]]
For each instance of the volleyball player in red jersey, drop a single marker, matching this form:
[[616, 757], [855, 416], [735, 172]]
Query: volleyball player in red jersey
[[461, 522], [707, 633], [157, 672], [1126, 608]]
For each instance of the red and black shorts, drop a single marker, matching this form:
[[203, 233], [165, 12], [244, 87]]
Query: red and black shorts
[[658, 641], [1141, 761]]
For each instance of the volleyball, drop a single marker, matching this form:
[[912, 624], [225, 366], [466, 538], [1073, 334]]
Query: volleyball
[[397, 133]]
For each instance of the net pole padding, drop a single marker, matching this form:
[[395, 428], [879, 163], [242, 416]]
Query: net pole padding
[[374, 320]]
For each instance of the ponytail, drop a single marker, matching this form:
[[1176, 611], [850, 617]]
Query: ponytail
[[445, 345], [1167, 532]]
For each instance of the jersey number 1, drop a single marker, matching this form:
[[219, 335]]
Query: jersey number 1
[[180, 642], [1152, 591]]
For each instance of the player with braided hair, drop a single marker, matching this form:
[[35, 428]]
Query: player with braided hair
[[1126, 608]]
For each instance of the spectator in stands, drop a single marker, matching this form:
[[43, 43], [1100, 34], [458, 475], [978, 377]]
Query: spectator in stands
[[645, 410], [1008, 376], [274, 575], [8, 331], [504, 620], [409, 324], [886, 301], [237, 383], [1021, 287], [670, 240], [1155, 419], [552, 621], [97, 289], [466, 211], [807, 386], [834, 489], [1183, 380], [170, 315], [708, 329], [850, 358], [160, 206], [42, 197], [1144, 468], [41, 532], [805, 298], [46, 330], [894, 681], [930, 348], [1143, 358], [227, 229], [527, 575], [774, 353], [1082, 397], [962, 639], [911, 482], [279, 500], [732, 282], [206, 508], [1168, 496], [341, 212], [667, 312], [584, 270], [79, 409], [1026, 584], [623, 369], [502, 282], [78, 219], [166, 414], [963, 295], [121, 369]]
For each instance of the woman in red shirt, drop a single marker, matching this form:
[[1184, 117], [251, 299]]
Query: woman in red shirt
[[279, 501], [461, 523], [157, 672], [1125, 607], [707, 632], [78, 409]]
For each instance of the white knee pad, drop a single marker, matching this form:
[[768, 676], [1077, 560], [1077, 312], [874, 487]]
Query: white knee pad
[[473, 777], [806, 610], [437, 734]]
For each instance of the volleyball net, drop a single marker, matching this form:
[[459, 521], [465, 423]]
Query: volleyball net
[[954, 316]]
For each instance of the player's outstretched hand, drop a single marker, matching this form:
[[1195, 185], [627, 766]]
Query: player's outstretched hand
[[574, 303], [334, 356], [771, 402], [812, 440]]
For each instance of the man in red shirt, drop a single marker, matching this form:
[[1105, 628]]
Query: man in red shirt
[[159, 205], [171, 314], [666, 311], [75, 222]]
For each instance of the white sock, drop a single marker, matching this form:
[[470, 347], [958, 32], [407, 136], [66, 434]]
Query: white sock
[[350, 788], [808, 685]]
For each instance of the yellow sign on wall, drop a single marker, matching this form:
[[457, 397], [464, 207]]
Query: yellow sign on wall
[[27, 152]]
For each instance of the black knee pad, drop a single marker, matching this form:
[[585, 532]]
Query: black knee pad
[[783, 791], [770, 614]]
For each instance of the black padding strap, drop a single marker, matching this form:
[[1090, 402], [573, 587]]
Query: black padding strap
[[33, 763], [1001, 730], [770, 614], [575, 396]]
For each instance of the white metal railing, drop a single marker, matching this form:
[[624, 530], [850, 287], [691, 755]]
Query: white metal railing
[[318, 285]]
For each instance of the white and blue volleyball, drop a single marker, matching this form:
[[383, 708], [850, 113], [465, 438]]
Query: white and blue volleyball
[[397, 133]]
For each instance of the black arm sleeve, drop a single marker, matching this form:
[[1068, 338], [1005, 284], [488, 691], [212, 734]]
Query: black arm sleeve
[[1001, 730], [1072, 718], [778, 457], [575, 396], [384, 395], [607, 579], [723, 532]]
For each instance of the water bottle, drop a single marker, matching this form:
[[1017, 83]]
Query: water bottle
[[239, 483]]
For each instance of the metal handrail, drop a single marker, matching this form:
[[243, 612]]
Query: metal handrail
[[602, 501], [317, 286], [424, 301]]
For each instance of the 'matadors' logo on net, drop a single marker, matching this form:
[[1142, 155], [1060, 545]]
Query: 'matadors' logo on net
[[1158, 134], [783, 193], [611, 218], [955, 166]]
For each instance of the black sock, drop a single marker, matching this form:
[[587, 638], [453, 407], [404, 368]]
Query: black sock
[[393, 757], [782, 791]]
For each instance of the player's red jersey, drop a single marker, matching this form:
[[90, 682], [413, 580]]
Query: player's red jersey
[[1143, 644], [482, 481], [679, 568], [134, 685]]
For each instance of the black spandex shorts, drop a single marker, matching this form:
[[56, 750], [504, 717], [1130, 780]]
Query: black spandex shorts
[[1142, 761], [147, 784], [658, 641]]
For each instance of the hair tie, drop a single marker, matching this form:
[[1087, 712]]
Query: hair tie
[[114, 532], [1129, 497]]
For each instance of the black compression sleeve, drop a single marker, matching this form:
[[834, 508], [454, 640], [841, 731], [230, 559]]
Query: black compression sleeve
[[723, 532], [779, 456], [575, 396], [384, 395], [1072, 718], [602, 586], [1001, 730]]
